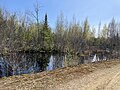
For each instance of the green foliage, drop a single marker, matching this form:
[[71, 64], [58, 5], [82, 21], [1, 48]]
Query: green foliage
[[46, 36], [16, 35]]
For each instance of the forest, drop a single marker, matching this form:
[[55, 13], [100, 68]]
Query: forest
[[24, 34]]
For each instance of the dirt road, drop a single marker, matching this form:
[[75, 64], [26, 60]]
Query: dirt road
[[106, 79], [94, 76]]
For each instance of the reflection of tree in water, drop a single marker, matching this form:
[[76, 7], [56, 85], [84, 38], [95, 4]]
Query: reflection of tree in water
[[58, 61], [28, 62], [38, 60], [42, 60]]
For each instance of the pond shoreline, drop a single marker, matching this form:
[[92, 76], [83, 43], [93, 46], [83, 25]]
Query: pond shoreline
[[49, 79]]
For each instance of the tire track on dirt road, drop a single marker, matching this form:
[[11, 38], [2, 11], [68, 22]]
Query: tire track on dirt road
[[114, 83]]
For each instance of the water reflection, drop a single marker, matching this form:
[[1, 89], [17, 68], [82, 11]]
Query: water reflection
[[31, 63], [24, 63], [56, 61]]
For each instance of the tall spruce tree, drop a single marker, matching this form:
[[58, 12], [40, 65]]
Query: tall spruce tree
[[46, 35]]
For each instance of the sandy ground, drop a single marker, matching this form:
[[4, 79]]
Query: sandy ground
[[94, 76]]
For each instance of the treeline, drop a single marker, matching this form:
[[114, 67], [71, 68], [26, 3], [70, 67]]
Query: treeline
[[19, 35], [77, 38]]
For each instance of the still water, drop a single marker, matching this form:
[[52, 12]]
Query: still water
[[19, 63]]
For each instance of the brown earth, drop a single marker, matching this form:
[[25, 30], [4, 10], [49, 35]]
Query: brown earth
[[94, 76]]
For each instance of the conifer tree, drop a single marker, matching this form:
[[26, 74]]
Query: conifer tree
[[46, 35]]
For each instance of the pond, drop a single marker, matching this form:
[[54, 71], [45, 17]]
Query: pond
[[24, 63]]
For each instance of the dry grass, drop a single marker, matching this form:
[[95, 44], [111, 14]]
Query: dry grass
[[45, 80]]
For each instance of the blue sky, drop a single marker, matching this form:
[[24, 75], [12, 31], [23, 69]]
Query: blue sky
[[95, 10]]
